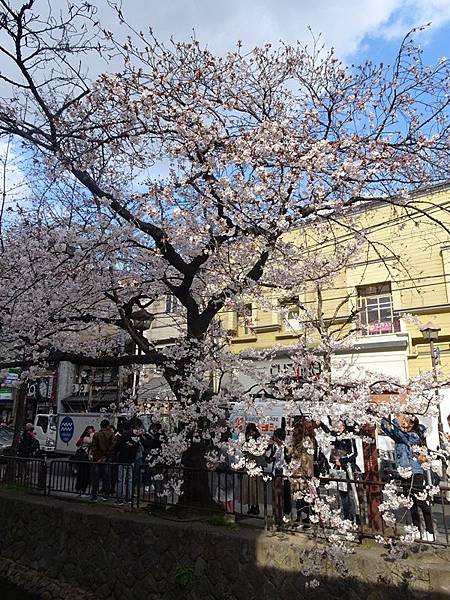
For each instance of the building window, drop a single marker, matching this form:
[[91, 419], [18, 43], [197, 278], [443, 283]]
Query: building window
[[245, 319], [99, 378], [375, 310], [104, 376], [173, 305], [290, 311]]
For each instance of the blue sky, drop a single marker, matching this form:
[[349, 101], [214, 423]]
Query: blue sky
[[434, 41]]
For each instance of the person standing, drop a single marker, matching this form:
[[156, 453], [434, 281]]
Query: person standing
[[103, 444], [82, 457], [251, 485], [408, 435], [138, 437], [278, 454], [304, 447], [152, 442], [126, 450], [225, 477], [29, 446], [343, 457]]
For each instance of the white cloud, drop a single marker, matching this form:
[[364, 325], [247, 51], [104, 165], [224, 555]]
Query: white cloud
[[413, 13], [221, 23]]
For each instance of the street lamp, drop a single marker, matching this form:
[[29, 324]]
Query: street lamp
[[430, 332], [142, 320]]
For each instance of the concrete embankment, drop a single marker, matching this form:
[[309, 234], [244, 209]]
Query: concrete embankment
[[59, 549]]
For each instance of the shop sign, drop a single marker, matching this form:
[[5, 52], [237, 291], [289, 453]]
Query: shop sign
[[6, 394], [41, 389]]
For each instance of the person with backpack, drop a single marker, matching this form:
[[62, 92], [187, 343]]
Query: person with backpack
[[408, 435], [126, 450]]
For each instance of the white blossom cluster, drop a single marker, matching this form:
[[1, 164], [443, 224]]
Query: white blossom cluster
[[392, 501]]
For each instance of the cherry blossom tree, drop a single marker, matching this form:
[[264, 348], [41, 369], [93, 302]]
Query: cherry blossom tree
[[187, 173]]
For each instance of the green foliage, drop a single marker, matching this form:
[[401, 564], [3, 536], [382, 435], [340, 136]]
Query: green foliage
[[221, 521], [12, 487], [184, 576]]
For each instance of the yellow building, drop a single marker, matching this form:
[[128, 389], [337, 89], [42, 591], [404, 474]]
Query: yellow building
[[403, 267]]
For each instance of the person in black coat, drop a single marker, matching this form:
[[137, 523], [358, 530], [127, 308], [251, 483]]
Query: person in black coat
[[152, 442], [343, 457], [125, 450], [28, 446]]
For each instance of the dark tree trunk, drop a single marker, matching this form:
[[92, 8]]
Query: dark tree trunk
[[20, 405], [196, 478], [197, 487]]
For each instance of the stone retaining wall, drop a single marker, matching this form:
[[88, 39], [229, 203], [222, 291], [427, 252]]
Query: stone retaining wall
[[68, 550]]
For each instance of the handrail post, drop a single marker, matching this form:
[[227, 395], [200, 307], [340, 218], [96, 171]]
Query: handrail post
[[50, 479], [138, 484], [42, 476]]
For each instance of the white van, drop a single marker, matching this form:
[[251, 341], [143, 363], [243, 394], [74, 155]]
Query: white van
[[70, 426], [45, 430], [59, 433]]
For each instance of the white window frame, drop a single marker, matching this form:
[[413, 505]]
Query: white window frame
[[290, 313], [173, 305], [380, 326], [246, 319]]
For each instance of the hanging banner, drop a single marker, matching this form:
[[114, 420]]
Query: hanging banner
[[10, 382]]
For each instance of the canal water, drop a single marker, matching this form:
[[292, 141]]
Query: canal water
[[10, 592]]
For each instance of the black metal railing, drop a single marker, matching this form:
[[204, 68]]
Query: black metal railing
[[26, 473], [222, 491], [274, 500], [107, 481], [271, 500]]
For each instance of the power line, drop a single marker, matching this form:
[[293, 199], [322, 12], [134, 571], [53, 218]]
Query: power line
[[383, 224], [352, 295]]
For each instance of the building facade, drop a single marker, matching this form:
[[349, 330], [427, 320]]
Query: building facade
[[397, 281]]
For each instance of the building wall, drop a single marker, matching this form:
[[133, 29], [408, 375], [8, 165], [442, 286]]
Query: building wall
[[405, 248], [66, 379], [168, 321]]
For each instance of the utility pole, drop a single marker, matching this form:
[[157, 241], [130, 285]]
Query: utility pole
[[91, 389]]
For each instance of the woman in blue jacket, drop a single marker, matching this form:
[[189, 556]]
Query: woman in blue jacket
[[407, 433]]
